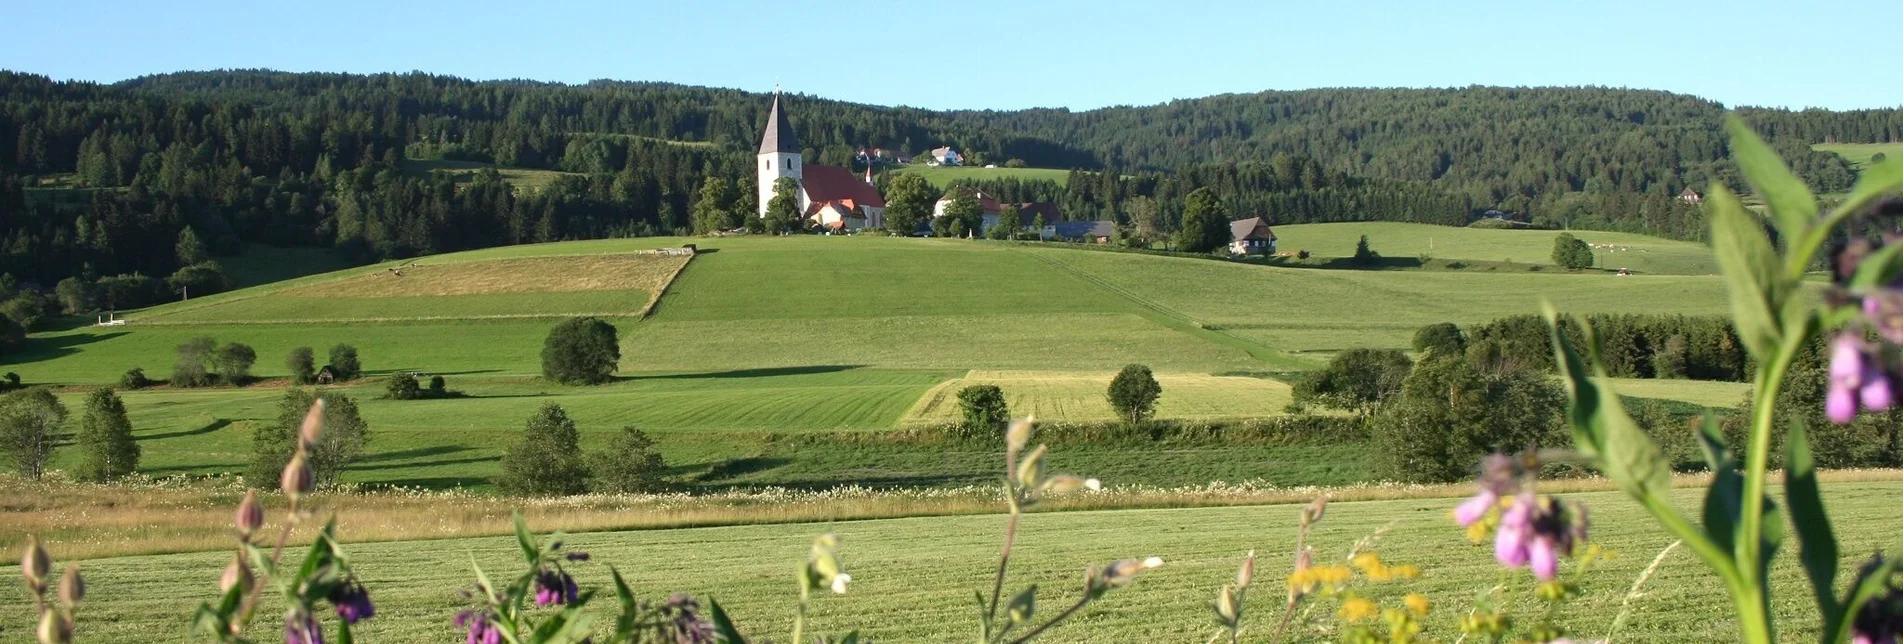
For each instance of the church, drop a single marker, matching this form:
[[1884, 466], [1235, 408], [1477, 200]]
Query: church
[[831, 198]]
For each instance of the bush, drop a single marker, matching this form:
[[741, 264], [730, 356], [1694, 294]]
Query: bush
[[1364, 253], [234, 363], [190, 369], [135, 379], [402, 386], [342, 441], [1133, 393], [105, 441], [581, 351], [1571, 253], [438, 387], [629, 464], [1301, 254], [1444, 338], [1359, 380], [1630, 341], [26, 309], [302, 365], [344, 363], [199, 280], [1450, 413], [984, 409], [547, 461]]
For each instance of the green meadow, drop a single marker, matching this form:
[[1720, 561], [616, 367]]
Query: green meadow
[[762, 357], [1639, 253], [1859, 154], [924, 570], [942, 176]]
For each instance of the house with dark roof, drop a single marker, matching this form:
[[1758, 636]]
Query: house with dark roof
[[830, 197], [1690, 196], [1251, 236], [1089, 232]]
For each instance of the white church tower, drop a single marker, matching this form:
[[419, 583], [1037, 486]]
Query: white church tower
[[779, 154]]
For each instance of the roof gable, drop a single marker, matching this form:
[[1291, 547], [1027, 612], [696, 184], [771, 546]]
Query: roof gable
[[1251, 228], [779, 133], [833, 183]]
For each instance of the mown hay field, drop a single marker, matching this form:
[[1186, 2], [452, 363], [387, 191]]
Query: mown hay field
[[1642, 254], [1079, 396], [913, 577]]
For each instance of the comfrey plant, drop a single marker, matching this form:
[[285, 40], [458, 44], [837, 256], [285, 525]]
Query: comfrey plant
[[323, 576], [1765, 259], [1025, 483]]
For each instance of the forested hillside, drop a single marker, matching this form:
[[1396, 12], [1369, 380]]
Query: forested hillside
[[104, 180]]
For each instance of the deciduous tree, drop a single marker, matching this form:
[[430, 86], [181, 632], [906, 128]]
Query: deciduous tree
[[548, 460]]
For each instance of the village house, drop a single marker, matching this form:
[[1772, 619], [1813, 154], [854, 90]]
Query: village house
[[944, 156], [990, 205], [830, 197], [1089, 232], [1690, 196], [1251, 237]]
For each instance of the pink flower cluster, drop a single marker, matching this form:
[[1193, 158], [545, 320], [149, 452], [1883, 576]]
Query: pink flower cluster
[[1534, 530], [1858, 381]]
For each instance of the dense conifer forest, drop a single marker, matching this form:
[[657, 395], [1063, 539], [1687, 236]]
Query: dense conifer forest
[[103, 180]]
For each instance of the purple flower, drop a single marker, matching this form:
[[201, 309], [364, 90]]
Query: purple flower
[[1536, 531], [1474, 508], [352, 602], [554, 587], [684, 623], [478, 627], [1543, 557], [301, 628], [576, 556], [1847, 372], [1515, 533]]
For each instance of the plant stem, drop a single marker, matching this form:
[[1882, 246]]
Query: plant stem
[[799, 618], [277, 552], [1004, 560], [1054, 620], [1752, 600]]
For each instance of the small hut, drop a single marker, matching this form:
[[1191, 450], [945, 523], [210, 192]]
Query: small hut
[[326, 375]]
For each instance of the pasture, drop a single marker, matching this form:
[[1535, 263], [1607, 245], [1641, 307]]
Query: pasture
[[1859, 154], [926, 568], [465, 171], [943, 176], [1079, 396], [1641, 253]]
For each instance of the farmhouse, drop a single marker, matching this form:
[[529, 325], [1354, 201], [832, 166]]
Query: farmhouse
[[830, 196], [1089, 232], [1690, 196], [1251, 237], [944, 156], [326, 375]]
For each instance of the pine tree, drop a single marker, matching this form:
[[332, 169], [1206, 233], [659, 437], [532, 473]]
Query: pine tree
[[105, 439], [548, 459]]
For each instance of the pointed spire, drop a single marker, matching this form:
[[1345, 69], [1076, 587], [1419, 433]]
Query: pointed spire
[[779, 133]]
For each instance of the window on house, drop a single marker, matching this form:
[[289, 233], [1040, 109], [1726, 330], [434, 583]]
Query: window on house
[[769, 164]]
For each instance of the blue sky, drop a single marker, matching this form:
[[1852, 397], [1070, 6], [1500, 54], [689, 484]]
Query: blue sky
[[1837, 54]]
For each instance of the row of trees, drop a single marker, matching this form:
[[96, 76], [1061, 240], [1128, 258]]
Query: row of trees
[[1635, 345], [32, 426], [548, 460]]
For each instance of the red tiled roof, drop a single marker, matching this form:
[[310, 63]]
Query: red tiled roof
[[833, 183]]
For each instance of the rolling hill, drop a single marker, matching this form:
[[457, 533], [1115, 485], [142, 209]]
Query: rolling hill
[[758, 337]]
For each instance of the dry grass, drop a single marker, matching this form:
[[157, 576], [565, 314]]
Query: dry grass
[[174, 515], [622, 272]]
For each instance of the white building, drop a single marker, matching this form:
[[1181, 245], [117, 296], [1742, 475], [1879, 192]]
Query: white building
[[830, 197], [945, 156]]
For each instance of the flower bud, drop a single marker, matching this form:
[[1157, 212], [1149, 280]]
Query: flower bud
[[1246, 573], [54, 629], [313, 425], [236, 575], [250, 515], [72, 587], [1065, 484], [1313, 512], [1018, 434], [34, 564], [1226, 605], [1031, 472], [297, 475]]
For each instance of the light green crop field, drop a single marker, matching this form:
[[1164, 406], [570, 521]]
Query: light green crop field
[[521, 178], [1708, 393], [1079, 396], [1858, 154], [1323, 310], [1640, 253], [913, 579], [943, 176]]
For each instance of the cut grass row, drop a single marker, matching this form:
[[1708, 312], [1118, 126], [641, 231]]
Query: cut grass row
[[913, 577]]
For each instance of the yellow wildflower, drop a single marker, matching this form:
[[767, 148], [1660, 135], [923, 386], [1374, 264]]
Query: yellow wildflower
[[1405, 571], [1417, 604], [1355, 609]]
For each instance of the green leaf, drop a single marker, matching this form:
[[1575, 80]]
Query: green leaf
[[1816, 542], [482, 580], [1793, 207], [1750, 267], [723, 625], [530, 551], [1601, 427], [1871, 581], [1022, 606], [1879, 268], [622, 592], [1724, 499], [1874, 182], [343, 632]]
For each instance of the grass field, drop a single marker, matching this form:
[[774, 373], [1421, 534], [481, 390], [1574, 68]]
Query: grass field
[[259, 264], [1079, 396], [1640, 253], [464, 171], [1707, 393], [913, 578], [943, 176], [1858, 154]]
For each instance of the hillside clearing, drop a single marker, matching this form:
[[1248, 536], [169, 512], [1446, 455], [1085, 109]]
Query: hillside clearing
[[1859, 154], [1640, 253], [926, 568], [943, 176], [465, 172]]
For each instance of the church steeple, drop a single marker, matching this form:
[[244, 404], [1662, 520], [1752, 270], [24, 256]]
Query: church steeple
[[779, 133]]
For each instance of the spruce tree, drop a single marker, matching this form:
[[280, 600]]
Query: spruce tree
[[548, 459], [105, 439]]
